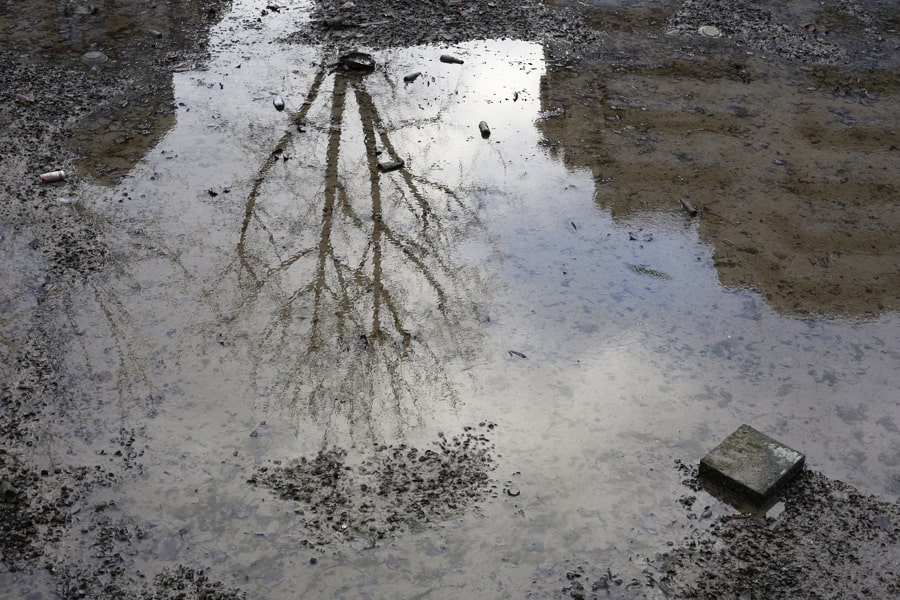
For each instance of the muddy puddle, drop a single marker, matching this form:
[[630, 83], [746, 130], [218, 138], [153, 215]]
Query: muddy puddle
[[539, 295]]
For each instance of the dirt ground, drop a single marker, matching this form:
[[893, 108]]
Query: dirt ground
[[798, 200]]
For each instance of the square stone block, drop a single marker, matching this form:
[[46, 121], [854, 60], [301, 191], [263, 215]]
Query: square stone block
[[751, 464]]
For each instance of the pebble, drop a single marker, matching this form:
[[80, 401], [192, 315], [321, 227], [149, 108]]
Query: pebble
[[94, 58]]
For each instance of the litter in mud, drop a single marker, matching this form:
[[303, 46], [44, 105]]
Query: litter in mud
[[449, 59], [278, 102], [484, 129], [53, 176]]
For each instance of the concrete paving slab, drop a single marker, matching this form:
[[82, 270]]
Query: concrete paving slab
[[751, 464]]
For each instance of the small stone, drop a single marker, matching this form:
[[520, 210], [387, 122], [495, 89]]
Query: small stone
[[94, 58], [390, 165], [7, 490]]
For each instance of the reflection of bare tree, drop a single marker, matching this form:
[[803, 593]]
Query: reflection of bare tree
[[370, 304]]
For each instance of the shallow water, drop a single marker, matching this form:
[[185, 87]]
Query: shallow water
[[274, 294]]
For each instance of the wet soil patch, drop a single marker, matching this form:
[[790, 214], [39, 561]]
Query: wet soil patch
[[397, 488]]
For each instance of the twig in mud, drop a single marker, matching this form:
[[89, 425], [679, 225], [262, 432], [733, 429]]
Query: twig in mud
[[698, 129], [737, 517], [706, 211]]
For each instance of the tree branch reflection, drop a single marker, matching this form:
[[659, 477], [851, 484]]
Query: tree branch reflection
[[370, 312]]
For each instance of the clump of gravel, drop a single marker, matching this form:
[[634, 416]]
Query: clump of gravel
[[179, 583], [183, 582], [756, 27], [388, 23], [829, 542], [584, 581], [36, 506], [395, 489]]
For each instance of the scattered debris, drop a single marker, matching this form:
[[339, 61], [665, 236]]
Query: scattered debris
[[484, 129], [447, 58], [278, 102], [411, 77]]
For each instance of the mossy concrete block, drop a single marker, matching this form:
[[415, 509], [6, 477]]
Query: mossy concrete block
[[751, 464]]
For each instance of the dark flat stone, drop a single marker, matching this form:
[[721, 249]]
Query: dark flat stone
[[751, 464]]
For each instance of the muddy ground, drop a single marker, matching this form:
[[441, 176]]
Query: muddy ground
[[803, 210]]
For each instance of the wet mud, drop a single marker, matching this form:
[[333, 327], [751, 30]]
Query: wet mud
[[695, 123], [242, 358]]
